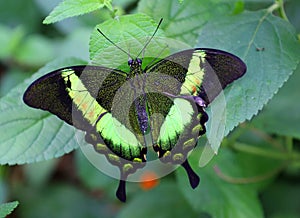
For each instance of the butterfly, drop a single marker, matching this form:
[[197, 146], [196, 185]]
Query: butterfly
[[122, 113]]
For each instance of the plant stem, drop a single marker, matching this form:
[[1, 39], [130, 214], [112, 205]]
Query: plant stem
[[266, 153], [254, 179], [281, 10], [278, 4]]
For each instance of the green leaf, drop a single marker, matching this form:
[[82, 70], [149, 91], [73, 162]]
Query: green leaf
[[281, 115], [268, 68], [239, 7], [27, 51], [183, 20], [60, 200], [10, 40], [39, 174], [214, 195], [30, 135], [71, 8], [7, 208], [129, 32], [90, 175], [10, 79], [163, 201], [21, 13], [3, 186], [281, 199]]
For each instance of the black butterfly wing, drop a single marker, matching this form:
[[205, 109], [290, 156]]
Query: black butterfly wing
[[219, 69], [49, 91]]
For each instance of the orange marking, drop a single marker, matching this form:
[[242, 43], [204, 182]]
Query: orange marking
[[194, 89], [84, 106], [148, 180], [91, 114]]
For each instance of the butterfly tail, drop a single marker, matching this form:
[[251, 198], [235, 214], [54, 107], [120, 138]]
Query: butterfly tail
[[193, 177], [121, 191]]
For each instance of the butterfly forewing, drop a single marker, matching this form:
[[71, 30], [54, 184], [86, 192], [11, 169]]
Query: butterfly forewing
[[202, 72]]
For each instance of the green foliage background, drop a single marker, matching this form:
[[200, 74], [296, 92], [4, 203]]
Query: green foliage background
[[257, 170]]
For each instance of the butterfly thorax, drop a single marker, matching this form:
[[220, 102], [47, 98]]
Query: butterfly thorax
[[135, 66]]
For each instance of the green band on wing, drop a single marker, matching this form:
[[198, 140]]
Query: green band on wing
[[83, 100], [194, 75], [179, 116], [118, 138]]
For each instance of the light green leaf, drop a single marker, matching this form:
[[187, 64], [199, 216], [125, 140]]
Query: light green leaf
[[10, 79], [183, 20], [31, 46], [10, 40], [130, 33], [30, 135], [245, 35], [71, 8], [7, 208]]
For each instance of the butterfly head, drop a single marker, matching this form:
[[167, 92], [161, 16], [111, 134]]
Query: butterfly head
[[135, 62]]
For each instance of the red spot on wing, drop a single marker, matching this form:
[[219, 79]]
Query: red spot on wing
[[194, 89]]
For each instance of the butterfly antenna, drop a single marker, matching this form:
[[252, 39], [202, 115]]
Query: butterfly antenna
[[113, 43], [155, 59], [150, 38]]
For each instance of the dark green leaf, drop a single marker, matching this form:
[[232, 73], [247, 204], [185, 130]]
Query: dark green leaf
[[281, 200], [164, 201], [92, 177], [217, 197], [60, 201], [184, 20], [38, 174]]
